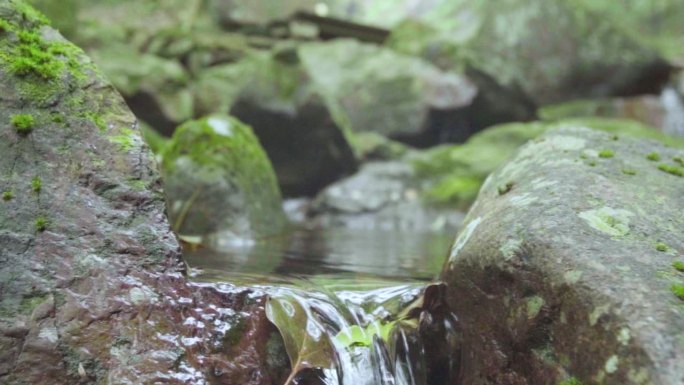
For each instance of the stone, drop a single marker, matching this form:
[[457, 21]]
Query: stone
[[219, 182], [382, 195], [92, 285], [553, 50], [563, 270], [307, 146], [373, 89]]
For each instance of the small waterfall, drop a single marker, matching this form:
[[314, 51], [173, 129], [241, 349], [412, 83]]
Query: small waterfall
[[373, 337], [353, 308]]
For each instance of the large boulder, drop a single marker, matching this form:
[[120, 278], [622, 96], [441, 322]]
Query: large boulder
[[553, 50], [219, 181], [375, 89], [569, 266], [92, 286], [308, 148]]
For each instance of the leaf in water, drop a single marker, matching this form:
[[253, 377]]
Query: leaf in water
[[306, 341], [355, 335]]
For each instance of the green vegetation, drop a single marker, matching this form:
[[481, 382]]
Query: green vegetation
[[456, 171], [654, 156], [360, 336], [7, 196], [628, 171], [571, 381], [674, 170], [23, 123], [36, 184], [678, 265], [505, 188], [42, 224], [661, 247], [678, 290], [606, 154]]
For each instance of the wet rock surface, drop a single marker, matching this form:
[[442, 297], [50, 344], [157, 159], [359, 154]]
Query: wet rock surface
[[565, 269], [92, 286]]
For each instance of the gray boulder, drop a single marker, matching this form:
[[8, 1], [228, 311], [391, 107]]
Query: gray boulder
[[569, 266], [92, 286], [382, 196]]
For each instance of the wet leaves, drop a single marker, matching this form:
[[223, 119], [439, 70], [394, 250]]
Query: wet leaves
[[357, 335], [306, 341]]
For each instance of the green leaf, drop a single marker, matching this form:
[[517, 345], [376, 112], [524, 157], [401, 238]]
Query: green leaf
[[356, 335], [306, 341]]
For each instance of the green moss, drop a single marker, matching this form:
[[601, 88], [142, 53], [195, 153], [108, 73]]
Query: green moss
[[221, 147], [454, 191], [679, 160], [606, 154], [23, 123], [42, 224], [571, 381], [485, 151], [30, 302], [39, 63], [97, 120], [628, 171], [126, 140], [678, 290], [654, 156], [36, 184], [674, 170], [505, 188], [7, 196], [661, 247], [678, 265]]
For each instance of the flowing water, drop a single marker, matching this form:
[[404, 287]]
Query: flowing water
[[353, 307]]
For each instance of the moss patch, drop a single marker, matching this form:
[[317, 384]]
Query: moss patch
[[678, 290], [606, 154], [41, 224], [23, 123], [678, 265], [654, 156], [661, 247], [673, 170], [445, 168], [36, 184], [7, 196]]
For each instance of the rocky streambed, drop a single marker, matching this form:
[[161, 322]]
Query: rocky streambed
[[568, 268]]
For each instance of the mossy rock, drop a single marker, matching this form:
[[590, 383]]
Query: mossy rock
[[588, 49], [218, 180], [563, 271], [453, 173]]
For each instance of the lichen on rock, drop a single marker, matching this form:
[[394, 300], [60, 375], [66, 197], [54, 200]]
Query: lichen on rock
[[580, 261]]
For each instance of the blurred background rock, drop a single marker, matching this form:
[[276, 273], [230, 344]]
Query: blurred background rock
[[362, 89]]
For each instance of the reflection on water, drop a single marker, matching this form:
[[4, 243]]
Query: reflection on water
[[353, 306], [342, 252]]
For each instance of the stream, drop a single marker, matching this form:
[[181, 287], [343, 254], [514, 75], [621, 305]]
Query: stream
[[353, 307]]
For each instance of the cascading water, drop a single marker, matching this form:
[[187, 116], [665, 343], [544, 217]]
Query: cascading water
[[351, 324]]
